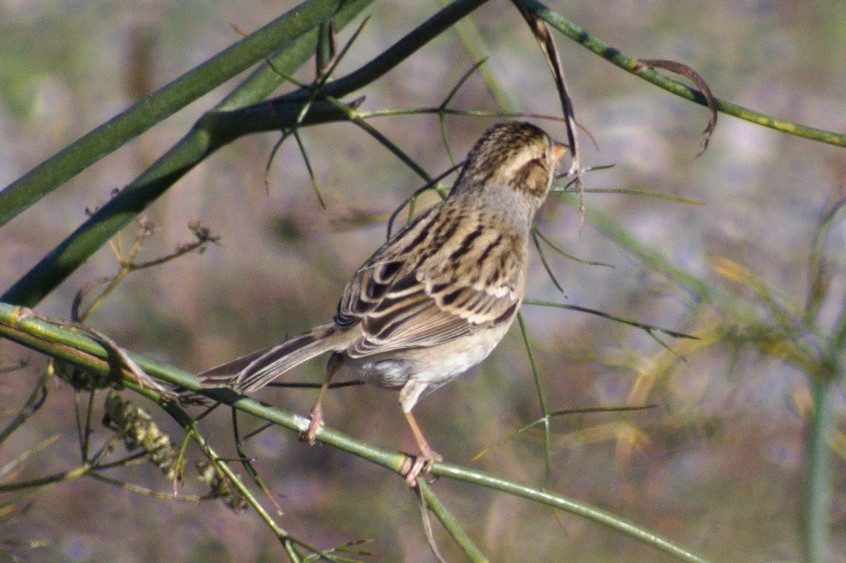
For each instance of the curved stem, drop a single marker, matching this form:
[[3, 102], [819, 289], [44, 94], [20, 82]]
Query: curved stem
[[450, 523], [92, 146], [23, 327], [629, 64], [54, 267], [202, 141]]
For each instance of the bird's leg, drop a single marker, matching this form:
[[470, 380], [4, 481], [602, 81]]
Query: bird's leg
[[315, 415], [427, 457]]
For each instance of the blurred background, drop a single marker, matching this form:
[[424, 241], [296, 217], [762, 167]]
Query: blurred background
[[716, 465]]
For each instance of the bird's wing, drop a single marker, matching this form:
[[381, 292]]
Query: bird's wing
[[451, 271]]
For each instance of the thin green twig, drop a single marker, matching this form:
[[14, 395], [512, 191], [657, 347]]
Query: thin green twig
[[474, 42], [30, 406], [449, 522], [555, 500], [630, 64], [547, 434], [818, 479], [89, 354], [90, 148]]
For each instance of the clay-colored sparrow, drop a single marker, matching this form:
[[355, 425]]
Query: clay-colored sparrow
[[438, 296]]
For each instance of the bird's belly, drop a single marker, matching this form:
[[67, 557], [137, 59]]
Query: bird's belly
[[435, 365]]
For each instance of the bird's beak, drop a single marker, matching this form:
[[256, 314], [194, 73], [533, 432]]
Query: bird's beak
[[559, 150]]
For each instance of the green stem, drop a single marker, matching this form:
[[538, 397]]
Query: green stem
[[65, 344], [47, 481], [554, 500], [818, 480], [190, 427], [533, 364], [91, 147], [450, 523], [201, 141], [205, 138], [629, 64]]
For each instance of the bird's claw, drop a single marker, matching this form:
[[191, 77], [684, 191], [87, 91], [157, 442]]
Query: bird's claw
[[315, 417], [413, 466]]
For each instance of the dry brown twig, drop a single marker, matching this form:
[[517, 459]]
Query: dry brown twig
[[543, 34]]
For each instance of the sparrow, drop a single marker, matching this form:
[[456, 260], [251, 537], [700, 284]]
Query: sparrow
[[437, 297]]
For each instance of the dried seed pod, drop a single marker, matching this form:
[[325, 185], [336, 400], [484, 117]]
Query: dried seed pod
[[138, 430], [221, 486]]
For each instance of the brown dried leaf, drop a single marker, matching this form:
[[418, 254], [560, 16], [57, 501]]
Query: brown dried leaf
[[697, 80]]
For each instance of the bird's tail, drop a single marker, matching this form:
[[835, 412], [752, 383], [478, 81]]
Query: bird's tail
[[259, 368]]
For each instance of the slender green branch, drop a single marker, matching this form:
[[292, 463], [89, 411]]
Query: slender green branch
[[22, 457], [545, 421], [386, 112], [48, 480], [450, 523], [247, 463], [554, 500], [214, 131], [190, 426], [137, 489], [547, 436], [474, 42], [818, 480], [650, 329], [394, 55], [629, 64], [89, 354], [169, 99]]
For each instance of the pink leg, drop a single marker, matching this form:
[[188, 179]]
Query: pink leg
[[425, 459], [315, 415]]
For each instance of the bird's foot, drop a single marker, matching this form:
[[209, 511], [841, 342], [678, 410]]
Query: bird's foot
[[412, 467], [315, 417]]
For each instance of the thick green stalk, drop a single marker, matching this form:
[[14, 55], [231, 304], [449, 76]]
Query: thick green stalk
[[450, 522], [90, 148], [73, 251], [203, 139], [190, 150], [81, 350]]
